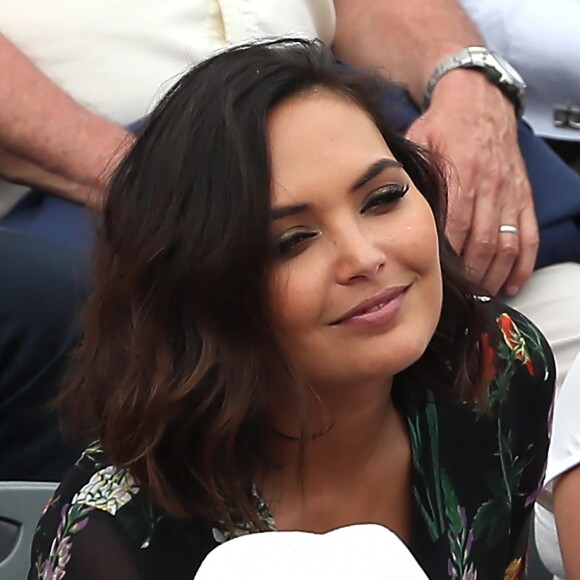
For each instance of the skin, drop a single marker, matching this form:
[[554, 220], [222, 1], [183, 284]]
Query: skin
[[351, 247], [566, 509], [470, 122], [48, 140]]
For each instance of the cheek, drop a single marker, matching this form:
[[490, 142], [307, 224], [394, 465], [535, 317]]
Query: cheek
[[428, 264], [296, 295], [420, 254], [418, 240], [426, 248]]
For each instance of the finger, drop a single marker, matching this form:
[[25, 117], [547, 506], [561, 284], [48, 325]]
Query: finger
[[483, 240], [459, 212], [506, 255], [515, 254], [460, 193], [529, 243]]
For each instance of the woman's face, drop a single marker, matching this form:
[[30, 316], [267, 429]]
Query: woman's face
[[356, 293]]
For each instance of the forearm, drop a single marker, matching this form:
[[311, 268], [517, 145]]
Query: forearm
[[16, 169], [44, 127], [405, 40]]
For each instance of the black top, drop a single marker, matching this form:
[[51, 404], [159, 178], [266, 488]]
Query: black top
[[475, 476]]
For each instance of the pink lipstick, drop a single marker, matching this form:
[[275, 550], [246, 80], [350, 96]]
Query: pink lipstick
[[377, 310]]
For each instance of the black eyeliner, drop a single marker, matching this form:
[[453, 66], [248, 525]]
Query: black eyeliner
[[385, 195], [289, 244]]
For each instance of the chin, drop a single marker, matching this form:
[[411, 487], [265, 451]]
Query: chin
[[390, 360], [370, 359]]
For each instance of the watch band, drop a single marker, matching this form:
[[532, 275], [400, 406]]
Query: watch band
[[496, 70]]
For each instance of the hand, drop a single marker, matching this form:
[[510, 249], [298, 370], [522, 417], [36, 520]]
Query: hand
[[472, 124]]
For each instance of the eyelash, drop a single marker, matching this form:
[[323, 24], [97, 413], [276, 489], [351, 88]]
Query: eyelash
[[384, 196], [290, 245]]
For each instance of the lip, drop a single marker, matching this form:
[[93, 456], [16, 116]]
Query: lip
[[376, 310]]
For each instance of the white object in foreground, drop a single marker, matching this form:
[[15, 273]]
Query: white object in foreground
[[366, 551]]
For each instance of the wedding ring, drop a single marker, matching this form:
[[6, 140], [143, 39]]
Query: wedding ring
[[509, 229]]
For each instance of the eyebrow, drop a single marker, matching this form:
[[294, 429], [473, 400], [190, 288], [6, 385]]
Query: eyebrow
[[287, 210], [373, 171]]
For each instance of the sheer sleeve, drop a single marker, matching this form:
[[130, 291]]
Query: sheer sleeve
[[86, 545], [101, 526]]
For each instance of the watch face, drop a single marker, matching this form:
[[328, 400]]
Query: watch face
[[497, 70], [509, 70]]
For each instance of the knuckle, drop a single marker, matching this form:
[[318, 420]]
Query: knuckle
[[458, 224], [526, 188], [484, 246], [494, 176], [509, 249], [533, 241], [474, 273]]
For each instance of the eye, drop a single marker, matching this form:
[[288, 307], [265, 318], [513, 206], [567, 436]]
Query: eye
[[381, 199], [293, 242]]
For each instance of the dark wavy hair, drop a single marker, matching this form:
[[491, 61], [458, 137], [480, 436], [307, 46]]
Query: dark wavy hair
[[178, 358]]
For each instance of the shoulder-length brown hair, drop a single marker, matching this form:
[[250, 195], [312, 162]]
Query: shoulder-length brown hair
[[178, 355]]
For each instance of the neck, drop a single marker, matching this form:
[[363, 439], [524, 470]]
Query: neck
[[357, 468], [358, 419]]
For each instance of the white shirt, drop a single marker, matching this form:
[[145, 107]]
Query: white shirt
[[118, 56], [563, 455], [540, 38]]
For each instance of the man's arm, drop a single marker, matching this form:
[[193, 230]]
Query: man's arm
[[406, 39], [47, 139], [469, 121]]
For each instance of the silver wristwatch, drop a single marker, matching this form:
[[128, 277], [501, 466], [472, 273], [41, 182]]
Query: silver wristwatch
[[497, 70]]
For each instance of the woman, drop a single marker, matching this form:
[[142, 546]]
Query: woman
[[281, 338]]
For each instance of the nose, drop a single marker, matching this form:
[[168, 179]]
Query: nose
[[359, 256]]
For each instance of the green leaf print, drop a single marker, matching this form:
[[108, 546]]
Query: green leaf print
[[453, 516], [499, 388], [484, 518], [430, 505], [535, 342], [140, 519]]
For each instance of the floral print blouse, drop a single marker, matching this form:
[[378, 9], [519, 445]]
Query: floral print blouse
[[476, 475]]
